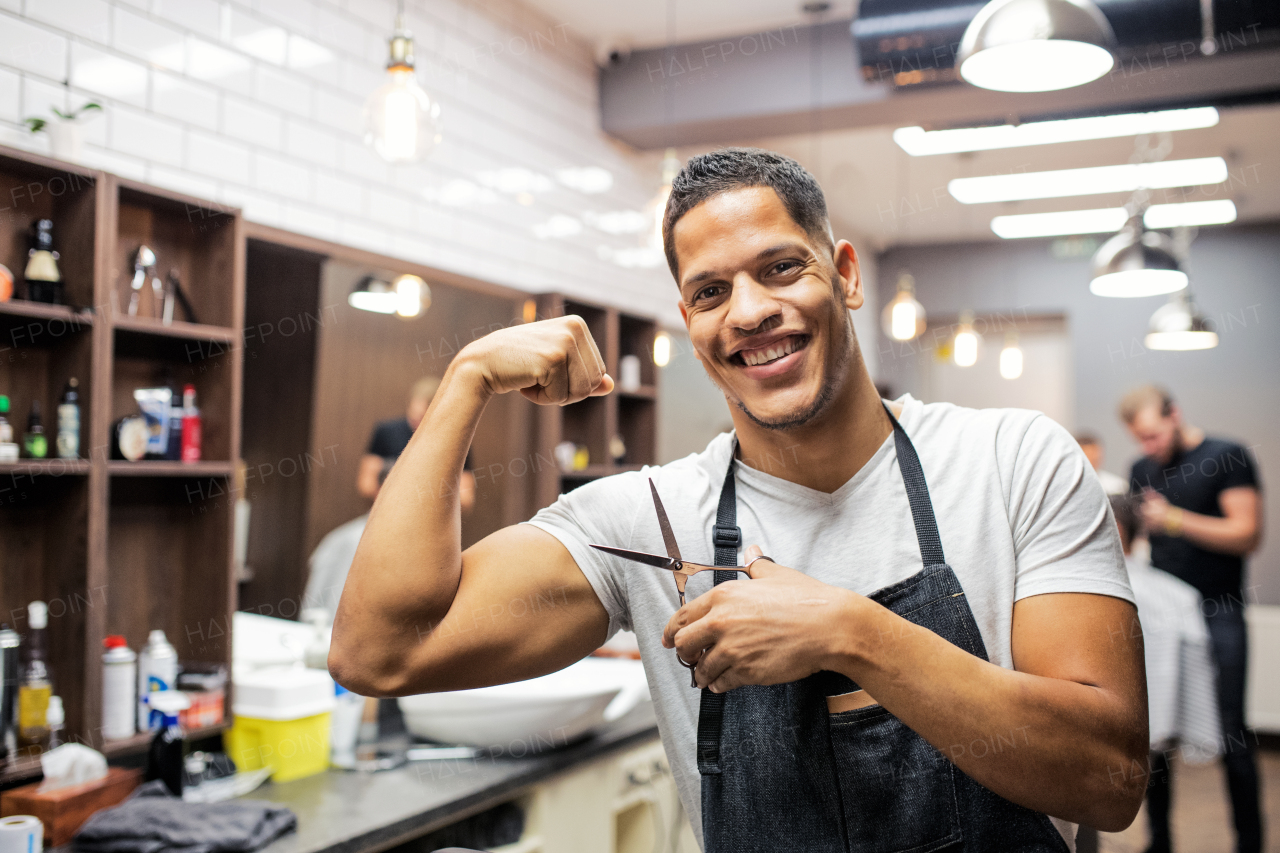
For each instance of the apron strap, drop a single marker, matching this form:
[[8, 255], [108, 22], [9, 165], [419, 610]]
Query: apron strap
[[726, 537], [917, 495]]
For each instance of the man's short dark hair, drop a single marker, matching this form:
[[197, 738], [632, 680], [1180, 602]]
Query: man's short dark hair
[[716, 172]]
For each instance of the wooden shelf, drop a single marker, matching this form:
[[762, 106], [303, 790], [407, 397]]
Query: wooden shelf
[[176, 329], [118, 547], [49, 467], [44, 311], [169, 468]]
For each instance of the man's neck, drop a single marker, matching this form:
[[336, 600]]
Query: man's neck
[[825, 454], [1190, 437]]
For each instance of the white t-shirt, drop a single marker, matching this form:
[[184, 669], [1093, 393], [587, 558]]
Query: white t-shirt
[[1019, 511]]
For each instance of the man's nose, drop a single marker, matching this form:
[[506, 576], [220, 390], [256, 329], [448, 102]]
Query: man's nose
[[750, 304]]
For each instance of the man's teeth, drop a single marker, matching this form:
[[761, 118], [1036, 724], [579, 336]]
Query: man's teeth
[[764, 356]]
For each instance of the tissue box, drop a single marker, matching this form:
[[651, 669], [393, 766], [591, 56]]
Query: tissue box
[[64, 810]]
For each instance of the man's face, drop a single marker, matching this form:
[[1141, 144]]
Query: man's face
[[766, 305], [417, 411], [1156, 433]]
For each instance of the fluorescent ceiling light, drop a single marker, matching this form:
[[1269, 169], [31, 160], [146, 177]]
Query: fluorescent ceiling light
[[1216, 212], [919, 142], [1090, 181], [1109, 219]]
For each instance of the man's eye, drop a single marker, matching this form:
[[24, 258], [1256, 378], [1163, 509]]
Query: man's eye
[[708, 293], [783, 267]]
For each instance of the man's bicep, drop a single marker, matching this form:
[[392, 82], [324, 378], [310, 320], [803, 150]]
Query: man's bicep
[[523, 609], [1089, 639]]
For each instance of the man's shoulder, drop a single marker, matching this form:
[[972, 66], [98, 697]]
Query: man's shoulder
[[1003, 428]]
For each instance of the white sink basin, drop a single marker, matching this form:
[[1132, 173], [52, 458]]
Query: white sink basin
[[530, 716]]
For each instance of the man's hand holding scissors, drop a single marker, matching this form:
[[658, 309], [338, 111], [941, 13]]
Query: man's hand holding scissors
[[772, 629]]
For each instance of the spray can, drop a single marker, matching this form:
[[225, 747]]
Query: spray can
[[157, 670], [119, 688]]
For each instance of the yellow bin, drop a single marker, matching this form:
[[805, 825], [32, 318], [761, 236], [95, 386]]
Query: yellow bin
[[281, 721]]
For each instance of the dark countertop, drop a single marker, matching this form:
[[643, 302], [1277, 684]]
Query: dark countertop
[[351, 812]]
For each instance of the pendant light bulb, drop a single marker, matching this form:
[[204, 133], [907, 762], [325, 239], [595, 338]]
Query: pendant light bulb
[[903, 319], [401, 121], [662, 349], [1011, 357], [967, 343], [1036, 45], [1179, 325]]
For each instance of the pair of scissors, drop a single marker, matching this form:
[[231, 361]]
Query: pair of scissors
[[680, 568]]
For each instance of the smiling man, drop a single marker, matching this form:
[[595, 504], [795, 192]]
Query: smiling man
[[940, 653]]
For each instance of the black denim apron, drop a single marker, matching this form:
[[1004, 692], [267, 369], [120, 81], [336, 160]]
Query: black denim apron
[[782, 773]]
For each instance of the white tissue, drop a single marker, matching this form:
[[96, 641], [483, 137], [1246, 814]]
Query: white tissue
[[71, 764]]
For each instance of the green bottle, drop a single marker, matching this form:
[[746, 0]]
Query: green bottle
[[8, 450], [34, 441]]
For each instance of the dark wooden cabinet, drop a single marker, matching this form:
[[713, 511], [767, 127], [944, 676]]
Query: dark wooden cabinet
[[118, 547]]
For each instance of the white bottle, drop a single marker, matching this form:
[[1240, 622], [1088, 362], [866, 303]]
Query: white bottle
[[157, 670], [55, 718], [119, 688]]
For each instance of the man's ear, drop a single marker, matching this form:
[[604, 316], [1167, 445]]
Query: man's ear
[[846, 261]]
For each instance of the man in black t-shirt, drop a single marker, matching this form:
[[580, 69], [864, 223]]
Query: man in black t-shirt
[[1202, 508], [390, 438]]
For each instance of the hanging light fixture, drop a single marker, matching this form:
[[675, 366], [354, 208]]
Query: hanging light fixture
[[1179, 325], [903, 318], [1036, 45], [1136, 262], [407, 295], [966, 343], [662, 349], [1011, 357], [401, 121]]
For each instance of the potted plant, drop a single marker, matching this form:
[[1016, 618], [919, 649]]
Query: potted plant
[[66, 135]]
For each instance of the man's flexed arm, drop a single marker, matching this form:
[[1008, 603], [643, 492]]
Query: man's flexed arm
[[410, 577]]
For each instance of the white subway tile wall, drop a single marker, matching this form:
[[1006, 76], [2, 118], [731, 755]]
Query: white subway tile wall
[[258, 104]]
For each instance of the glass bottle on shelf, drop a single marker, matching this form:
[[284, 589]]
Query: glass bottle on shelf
[[35, 684], [42, 276], [8, 447], [68, 442], [34, 441]]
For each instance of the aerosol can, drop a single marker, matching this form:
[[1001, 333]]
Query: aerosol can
[[157, 670]]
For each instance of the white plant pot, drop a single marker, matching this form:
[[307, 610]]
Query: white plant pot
[[66, 140]]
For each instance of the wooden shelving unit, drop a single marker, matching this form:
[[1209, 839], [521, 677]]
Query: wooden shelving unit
[[631, 415], [118, 547]]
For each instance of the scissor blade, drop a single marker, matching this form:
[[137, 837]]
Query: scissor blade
[[638, 556], [668, 536]]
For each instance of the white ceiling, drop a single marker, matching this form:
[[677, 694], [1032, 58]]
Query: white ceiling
[[875, 189], [647, 23]]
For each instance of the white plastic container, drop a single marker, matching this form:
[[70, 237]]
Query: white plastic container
[[119, 688], [157, 670]]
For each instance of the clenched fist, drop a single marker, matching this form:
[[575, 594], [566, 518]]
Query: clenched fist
[[551, 362]]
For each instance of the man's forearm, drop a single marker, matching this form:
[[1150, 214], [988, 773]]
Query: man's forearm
[[1057, 746], [407, 567], [1236, 536]]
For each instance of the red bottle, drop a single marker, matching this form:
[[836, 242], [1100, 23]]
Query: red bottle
[[190, 425]]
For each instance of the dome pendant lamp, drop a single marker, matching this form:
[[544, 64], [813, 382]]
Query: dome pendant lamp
[[1137, 262], [1036, 45], [1179, 325]]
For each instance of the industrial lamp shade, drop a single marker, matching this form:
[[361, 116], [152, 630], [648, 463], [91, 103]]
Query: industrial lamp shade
[[1036, 45], [1179, 325], [1136, 262]]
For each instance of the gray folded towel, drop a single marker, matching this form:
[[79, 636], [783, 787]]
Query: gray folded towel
[[155, 821]]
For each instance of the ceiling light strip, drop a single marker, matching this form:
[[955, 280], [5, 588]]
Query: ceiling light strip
[[1094, 180], [919, 142], [1111, 219]]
